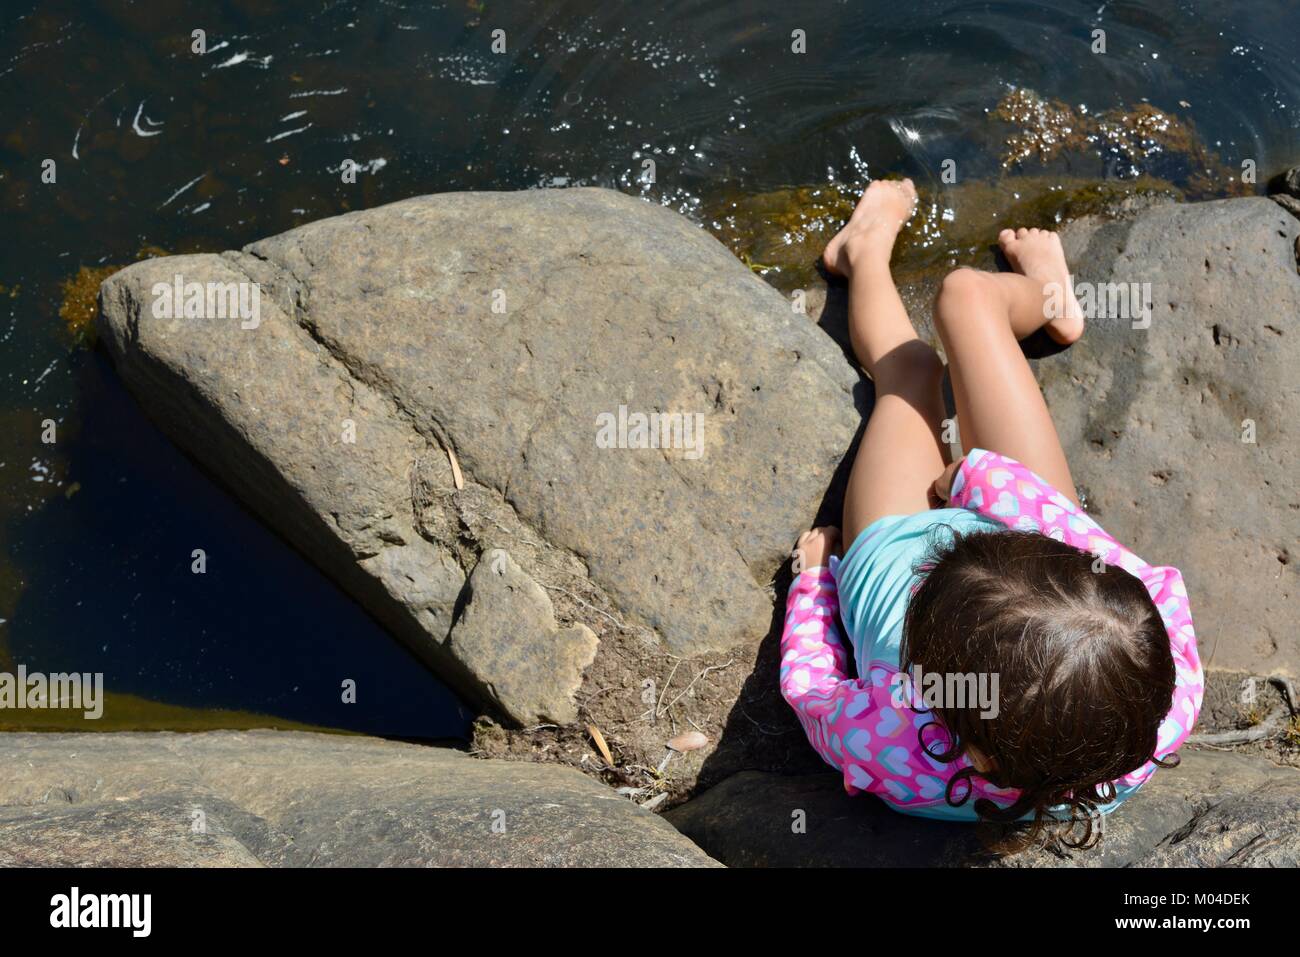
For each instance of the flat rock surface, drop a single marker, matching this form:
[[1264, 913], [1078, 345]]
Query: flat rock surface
[[268, 798], [1215, 810]]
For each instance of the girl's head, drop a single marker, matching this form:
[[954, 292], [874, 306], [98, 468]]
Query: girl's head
[[1085, 675]]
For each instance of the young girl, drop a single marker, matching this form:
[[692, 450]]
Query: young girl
[[1014, 662]]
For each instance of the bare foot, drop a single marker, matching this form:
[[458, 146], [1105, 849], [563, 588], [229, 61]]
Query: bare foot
[[1037, 253], [874, 225]]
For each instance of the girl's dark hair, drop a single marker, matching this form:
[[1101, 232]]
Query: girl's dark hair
[[1085, 674]]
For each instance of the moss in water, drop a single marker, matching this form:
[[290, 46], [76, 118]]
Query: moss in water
[[81, 299], [80, 292], [1132, 140], [780, 234], [125, 712]]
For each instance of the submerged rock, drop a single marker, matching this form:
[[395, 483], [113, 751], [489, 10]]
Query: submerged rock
[[1144, 138], [505, 332], [292, 799]]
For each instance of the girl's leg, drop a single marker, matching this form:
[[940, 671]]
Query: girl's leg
[[901, 453], [980, 316]]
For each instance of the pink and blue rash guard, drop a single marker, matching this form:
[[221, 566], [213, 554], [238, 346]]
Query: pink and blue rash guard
[[858, 725]]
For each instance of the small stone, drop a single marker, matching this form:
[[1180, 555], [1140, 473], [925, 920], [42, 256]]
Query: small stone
[[1288, 182], [509, 641], [1290, 203], [688, 741]]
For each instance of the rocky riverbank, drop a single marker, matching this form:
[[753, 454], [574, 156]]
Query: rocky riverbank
[[419, 408]]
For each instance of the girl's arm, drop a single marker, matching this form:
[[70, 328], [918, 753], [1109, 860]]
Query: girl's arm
[[814, 660], [862, 727]]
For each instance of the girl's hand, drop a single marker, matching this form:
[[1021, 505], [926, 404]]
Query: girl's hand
[[941, 490], [815, 547]]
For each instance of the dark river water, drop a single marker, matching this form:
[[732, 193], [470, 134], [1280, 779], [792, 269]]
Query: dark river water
[[157, 147]]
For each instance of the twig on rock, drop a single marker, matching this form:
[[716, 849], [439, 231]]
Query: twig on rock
[[655, 801], [618, 624], [654, 712], [501, 528], [773, 734], [1285, 685], [1228, 738]]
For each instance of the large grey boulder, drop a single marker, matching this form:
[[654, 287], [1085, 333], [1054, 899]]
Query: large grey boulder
[[1185, 436], [426, 382], [1216, 810], [267, 798]]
